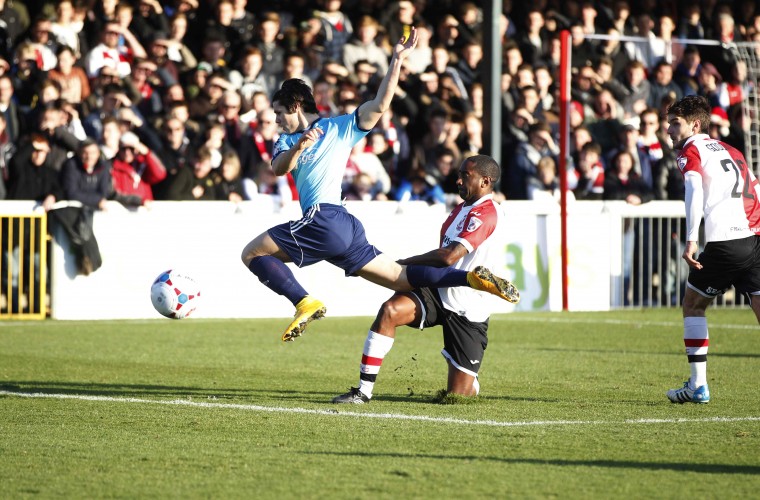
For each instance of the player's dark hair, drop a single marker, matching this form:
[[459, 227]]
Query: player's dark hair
[[486, 166], [295, 92], [692, 108]]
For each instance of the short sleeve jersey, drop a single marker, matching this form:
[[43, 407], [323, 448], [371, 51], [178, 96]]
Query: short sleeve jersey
[[731, 205], [319, 171], [476, 227]]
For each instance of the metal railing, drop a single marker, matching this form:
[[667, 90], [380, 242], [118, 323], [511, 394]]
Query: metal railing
[[23, 266], [654, 273]]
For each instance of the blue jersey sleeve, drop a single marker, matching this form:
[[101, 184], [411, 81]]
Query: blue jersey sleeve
[[284, 143]]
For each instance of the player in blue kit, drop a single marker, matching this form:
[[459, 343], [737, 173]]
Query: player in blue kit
[[316, 150]]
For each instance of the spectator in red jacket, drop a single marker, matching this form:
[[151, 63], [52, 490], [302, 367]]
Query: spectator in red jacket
[[135, 170]]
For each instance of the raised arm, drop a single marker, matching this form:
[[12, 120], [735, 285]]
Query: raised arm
[[371, 111], [137, 49]]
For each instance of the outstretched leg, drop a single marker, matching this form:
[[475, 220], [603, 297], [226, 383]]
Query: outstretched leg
[[388, 273], [401, 309], [266, 260]]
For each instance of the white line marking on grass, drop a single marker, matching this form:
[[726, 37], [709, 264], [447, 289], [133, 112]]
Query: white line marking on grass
[[389, 416], [669, 324], [517, 317]]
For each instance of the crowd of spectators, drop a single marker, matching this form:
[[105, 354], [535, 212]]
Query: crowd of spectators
[[176, 95]]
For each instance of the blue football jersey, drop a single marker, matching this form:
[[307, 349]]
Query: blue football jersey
[[319, 171]]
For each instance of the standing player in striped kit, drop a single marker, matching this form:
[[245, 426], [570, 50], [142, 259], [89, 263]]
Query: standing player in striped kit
[[720, 187], [468, 240]]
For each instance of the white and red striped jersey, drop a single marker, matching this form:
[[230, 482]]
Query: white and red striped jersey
[[101, 55], [729, 198], [476, 227]]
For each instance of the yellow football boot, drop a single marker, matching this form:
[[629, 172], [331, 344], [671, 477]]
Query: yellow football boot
[[481, 278], [307, 310]]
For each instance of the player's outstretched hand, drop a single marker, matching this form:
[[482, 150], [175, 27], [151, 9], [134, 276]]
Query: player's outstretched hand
[[688, 255], [406, 45]]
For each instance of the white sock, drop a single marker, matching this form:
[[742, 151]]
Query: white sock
[[476, 386], [696, 338], [376, 347]]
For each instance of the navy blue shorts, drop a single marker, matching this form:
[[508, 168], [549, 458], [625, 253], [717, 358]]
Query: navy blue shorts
[[326, 232]]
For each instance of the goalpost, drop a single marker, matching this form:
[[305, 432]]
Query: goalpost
[[747, 52]]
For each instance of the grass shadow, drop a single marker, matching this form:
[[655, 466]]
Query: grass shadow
[[252, 395], [148, 391], [610, 464]]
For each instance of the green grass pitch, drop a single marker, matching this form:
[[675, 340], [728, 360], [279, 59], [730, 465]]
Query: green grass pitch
[[572, 406]]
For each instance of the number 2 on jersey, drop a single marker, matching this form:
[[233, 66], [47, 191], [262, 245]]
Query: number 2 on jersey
[[742, 174]]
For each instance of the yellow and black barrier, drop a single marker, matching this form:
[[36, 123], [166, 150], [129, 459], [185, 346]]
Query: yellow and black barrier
[[23, 266]]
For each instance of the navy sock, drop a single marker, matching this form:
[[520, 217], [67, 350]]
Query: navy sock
[[435, 277], [273, 273]]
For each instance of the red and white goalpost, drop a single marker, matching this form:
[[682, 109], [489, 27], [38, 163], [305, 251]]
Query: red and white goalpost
[[564, 147]]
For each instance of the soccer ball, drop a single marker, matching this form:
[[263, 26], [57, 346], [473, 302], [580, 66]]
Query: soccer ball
[[175, 294]]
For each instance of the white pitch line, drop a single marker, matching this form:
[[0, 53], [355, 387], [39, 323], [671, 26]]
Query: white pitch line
[[671, 324], [390, 416], [515, 317]]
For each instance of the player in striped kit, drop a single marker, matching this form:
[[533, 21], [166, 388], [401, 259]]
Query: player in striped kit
[[468, 241], [721, 188]]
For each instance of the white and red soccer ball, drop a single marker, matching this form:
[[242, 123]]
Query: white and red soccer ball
[[175, 294]]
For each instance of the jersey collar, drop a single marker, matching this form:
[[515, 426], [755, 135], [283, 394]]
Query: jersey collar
[[695, 137], [483, 199]]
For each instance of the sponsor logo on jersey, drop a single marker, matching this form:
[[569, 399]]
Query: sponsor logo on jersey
[[460, 225], [682, 162], [306, 157], [474, 224]]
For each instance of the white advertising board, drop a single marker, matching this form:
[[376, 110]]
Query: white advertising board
[[206, 239]]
